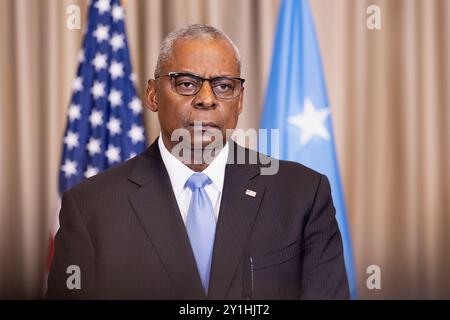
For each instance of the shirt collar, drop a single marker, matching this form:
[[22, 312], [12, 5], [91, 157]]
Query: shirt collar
[[179, 172]]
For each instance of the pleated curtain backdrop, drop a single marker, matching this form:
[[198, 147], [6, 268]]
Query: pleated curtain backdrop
[[390, 102]]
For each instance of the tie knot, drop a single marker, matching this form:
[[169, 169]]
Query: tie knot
[[197, 180]]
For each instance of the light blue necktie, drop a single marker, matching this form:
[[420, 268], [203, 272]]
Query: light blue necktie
[[201, 225]]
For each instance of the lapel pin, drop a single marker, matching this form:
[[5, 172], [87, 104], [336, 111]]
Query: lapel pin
[[250, 193]]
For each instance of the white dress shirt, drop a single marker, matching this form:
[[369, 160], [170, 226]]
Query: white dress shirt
[[179, 173]]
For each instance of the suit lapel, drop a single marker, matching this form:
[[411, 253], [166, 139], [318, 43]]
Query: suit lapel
[[157, 210], [237, 216]]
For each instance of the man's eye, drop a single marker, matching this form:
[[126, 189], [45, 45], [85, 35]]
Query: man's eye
[[224, 87], [186, 84]]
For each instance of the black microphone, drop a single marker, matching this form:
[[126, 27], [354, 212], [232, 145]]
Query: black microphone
[[247, 279]]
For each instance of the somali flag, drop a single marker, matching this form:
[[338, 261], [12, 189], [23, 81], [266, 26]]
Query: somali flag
[[297, 104]]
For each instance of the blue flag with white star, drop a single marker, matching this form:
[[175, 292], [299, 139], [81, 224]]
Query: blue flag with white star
[[104, 125], [297, 104]]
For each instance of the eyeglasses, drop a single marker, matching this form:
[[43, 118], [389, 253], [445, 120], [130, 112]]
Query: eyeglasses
[[188, 84]]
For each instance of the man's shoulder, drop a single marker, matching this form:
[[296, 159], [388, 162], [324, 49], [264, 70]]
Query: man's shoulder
[[114, 178], [291, 181], [286, 170], [296, 175]]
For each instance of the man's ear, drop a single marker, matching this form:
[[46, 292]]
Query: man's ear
[[150, 96], [241, 101]]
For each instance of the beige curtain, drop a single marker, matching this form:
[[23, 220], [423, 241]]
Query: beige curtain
[[389, 94], [391, 107]]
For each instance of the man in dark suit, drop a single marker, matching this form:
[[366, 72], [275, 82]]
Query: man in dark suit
[[161, 226]]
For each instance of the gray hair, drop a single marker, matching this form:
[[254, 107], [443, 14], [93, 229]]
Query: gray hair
[[193, 31]]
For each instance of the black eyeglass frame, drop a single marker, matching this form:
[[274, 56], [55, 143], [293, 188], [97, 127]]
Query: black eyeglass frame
[[171, 75]]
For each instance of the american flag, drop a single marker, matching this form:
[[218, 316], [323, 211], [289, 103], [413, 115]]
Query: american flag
[[104, 124]]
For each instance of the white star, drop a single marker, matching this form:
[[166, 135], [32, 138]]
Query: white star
[[114, 126], [117, 41], [71, 139], [113, 154], [135, 105], [69, 168], [311, 122], [99, 62], [93, 146], [116, 69], [115, 98], [81, 55], [74, 112], [136, 134], [117, 13], [133, 77], [101, 33], [77, 84], [96, 118], [132, 155], [98, 89], [90, 171], [102, 6]]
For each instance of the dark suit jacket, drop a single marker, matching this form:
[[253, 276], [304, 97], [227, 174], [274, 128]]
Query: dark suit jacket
[[124, 230]]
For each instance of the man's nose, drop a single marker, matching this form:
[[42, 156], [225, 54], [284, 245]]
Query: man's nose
[[205, 98]]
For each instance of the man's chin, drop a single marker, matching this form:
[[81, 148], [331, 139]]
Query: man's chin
[[198, 139], [206, 137], [204, 144]]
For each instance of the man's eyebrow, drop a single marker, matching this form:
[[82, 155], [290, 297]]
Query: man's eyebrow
[[226, 75]]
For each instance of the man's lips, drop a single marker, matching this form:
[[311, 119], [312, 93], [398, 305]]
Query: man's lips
[[203, 124]]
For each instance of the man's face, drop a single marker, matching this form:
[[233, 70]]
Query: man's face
[[207, 58]]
